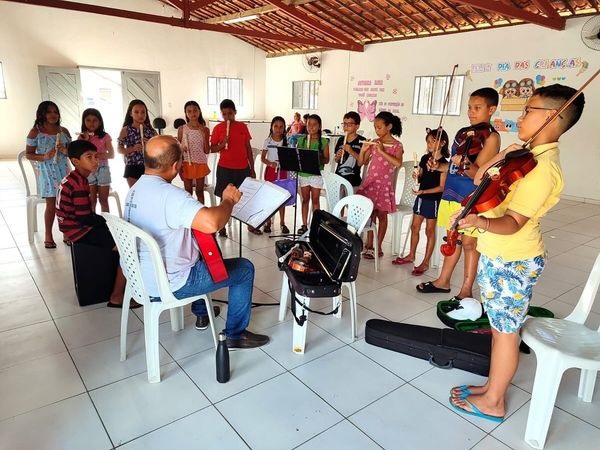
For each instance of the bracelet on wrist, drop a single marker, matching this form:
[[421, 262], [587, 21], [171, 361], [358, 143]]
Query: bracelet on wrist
[[487, 226]]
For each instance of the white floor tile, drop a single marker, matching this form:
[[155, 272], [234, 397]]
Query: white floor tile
[[99, 364], [29, 342], [132, 407], [345, 370], [318, 343], [490, 443], [278, 414], [204, 429], [565, 432], [188, 341], [409, 417], [94, 326], [392, 304], [247, 367], [70, 424], [342, 328], [38, 383], [19, 312], [343, 436]]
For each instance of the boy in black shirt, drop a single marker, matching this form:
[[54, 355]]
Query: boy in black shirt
[[347, 149]]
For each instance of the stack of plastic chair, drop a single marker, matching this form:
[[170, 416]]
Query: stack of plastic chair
[[561, 344], [126, 237], [32, 199], [404, 208]]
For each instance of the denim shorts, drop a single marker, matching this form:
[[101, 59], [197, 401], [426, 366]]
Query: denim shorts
[[506, 289], [100, 177]]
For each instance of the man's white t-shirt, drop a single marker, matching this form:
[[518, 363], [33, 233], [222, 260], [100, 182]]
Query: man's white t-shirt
[[166, 212]]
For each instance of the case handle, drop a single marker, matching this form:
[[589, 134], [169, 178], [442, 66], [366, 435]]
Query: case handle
[[433, 363]]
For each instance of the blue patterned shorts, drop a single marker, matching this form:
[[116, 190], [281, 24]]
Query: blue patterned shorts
[[506, 289]]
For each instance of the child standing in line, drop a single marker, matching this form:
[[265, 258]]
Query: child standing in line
[[431, 186], [236, 162], [193, 137], [276, 139], [385, 156], [92, 130], [46, 144], [77, 220], [511, 245], [473, 146], [131, 141], [311, 185], [347, 149]]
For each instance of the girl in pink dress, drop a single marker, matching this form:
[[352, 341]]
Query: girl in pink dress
[[385, 156]]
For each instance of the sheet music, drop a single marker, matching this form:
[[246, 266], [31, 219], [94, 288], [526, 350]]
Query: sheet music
[[272, 153], [260, 200]]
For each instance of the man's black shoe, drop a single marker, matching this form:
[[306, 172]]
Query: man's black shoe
[[248, 340], [223, 232], [202, 322]]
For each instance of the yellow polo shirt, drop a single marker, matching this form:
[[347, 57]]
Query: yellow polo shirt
[[532, 196]]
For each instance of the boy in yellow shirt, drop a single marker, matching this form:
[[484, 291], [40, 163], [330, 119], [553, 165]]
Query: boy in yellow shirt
[[511, 246]]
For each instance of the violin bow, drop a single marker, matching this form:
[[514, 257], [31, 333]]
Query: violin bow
[[558, 112], [438, 134]]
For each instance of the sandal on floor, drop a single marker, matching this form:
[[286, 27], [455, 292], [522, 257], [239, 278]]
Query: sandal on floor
[[255, 231], [303, 229], [267, 228], [284, 229], [132, 305], [49, 244], [400, 260], [430, 288], [475, 411], [369, 254], [416, 271]]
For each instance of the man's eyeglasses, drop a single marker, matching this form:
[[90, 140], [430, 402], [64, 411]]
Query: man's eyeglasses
[[528, 109], [348, 124]]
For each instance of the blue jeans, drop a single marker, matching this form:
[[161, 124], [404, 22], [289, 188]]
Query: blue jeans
[[240, 283]]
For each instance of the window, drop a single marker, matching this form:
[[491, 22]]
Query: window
[[430, 94], [2, 86], [220, 88], [305, 94]]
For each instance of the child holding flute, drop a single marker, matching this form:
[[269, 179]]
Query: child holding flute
[[193, 137], [347, 149]]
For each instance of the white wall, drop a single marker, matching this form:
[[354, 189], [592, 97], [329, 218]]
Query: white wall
[[397, 63], [183, 57]]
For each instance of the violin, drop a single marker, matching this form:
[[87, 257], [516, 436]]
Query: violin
[[492, 191], [472, 140], [495, 183]]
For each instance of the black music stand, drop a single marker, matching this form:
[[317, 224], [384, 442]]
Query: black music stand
[[293, 159]]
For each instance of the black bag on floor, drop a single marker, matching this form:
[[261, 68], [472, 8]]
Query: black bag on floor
[[443, 348], [94, 271]]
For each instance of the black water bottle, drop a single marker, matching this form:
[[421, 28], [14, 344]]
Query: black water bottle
[[222, 360]]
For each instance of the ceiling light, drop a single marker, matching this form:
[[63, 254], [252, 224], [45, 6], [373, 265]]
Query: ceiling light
[[241, 19]]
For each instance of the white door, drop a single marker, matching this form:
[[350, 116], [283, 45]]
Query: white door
[[62, 85], [144, 86]]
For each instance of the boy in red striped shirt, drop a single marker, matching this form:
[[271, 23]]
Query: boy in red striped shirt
[[76, 219]]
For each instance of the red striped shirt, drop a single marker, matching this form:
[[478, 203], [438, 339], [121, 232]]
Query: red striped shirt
[[72, 204]]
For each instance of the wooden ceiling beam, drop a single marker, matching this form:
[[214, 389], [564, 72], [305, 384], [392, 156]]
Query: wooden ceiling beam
[[516, 13], [459, 14], [546, 7], [341, 18]]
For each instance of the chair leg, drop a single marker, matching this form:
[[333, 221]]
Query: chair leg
[[337, 301], [587, 382], [176, 318], [211, 318], [299, 332], [394, 227], [353, 310], [31, 224], [124, 319], [285, 290], [405, 237], [213, 201], [376, 248], [436, 258], [545, 387], [151, 338]]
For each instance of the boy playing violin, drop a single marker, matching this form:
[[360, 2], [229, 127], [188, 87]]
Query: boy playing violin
[[511, 246]]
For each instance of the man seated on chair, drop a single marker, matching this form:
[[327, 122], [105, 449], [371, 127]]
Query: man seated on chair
[[169, 213], [76, 219]]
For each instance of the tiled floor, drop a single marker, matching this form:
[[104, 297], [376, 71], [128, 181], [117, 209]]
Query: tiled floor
[[62, 385]]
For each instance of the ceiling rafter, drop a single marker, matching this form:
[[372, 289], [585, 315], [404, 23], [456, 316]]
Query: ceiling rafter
[[342, 19]]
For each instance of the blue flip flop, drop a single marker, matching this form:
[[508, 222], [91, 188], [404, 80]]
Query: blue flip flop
[[475, 411], [465, 391]]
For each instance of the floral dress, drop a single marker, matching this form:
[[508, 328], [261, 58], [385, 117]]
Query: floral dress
[[49, 173], [132, 138], [378, 185]]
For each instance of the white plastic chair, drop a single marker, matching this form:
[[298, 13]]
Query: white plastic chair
[[561, 344], [360, 209], [209, 184], [115, 195], [404, 208], [126, 237], [333, 189], [31, 199]]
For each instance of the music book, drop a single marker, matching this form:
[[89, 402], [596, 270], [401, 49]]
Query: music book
[[260, 200]]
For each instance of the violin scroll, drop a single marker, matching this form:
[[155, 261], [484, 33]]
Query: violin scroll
[[452, 240]]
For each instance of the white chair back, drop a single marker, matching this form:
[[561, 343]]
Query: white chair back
[[333, 188], [360, 209], [23, 162], [584, 305], [407, 196]]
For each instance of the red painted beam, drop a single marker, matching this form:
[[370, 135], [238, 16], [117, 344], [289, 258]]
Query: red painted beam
[[547, 8], [295, 13], [555, 23], [177, 22]]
